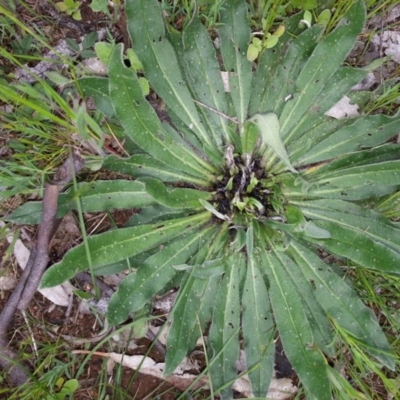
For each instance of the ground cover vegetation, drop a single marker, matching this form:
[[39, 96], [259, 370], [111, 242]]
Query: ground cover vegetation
[[273, 219]]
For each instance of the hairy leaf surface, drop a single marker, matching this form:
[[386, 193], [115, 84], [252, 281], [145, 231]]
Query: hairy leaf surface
[[258, 329], [234, 33], [147, 32], [117, 245], [342, 304], [141, 122], [94, 196], [295, 331], [224, 331]]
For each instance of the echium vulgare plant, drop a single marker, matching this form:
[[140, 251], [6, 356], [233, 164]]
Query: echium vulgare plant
[[240, 190]]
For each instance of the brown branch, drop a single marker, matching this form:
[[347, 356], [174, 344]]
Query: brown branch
[[37, 263]]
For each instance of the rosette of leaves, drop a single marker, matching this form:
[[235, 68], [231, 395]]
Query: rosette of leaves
[[240, 191]]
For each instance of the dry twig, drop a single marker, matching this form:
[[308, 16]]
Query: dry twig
[[37, 263]]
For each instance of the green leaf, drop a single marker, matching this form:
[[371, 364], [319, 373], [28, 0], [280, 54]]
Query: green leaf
[[250, 240], [184, 321], [252, 52], [103, 51], [146, 28], [97, 88], [174, 197], [207, 269], [134, 60], [70, 386], [273, 80], [249, 138], [359, 234], [89, 40], [258, 329], [144, 83], [317, 319], [100, 6], [142, 124], [307, 18], [140, 287], [386, 152], [211, 208], [145, 165], [324, 17], [342, 304], [383, 173], [61, 6], [294, 329], [94, 196], [365, 132], [156, 213], [76, 15], [314, 231], [57, 78], [234, 33], [325, 60], [304, 4], [224, 331], [268, 124], [339, 84], [117, 245], [271, 42], [203, 74]]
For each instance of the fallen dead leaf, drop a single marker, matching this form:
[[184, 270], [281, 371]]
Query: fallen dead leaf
[[343, 109]]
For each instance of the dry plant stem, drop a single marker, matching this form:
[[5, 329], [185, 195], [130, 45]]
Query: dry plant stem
[[37, 263], [42, 246]]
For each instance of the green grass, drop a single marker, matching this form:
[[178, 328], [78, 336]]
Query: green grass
[[38, 135]]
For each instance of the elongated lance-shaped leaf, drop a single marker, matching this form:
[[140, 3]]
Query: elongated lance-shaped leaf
[[117, 245], [249, 139], [323, 63], [224, 331], [373, 186], [258, 329], [184, 317], [294, 329], [190, 308], [152, 276], [174, 197], [383, 230], [145, 165], [156, 213], [365, 132], [386, 152], [318, 321], [359, 234], [146, 28], [94, 196], [342, 304], [317, 129], [264, 82], [268, 124], [275, 79], [203, 73], [234, 33], [370, 191], [339, 84], [141, 122], [356, 178], [97, 89]]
